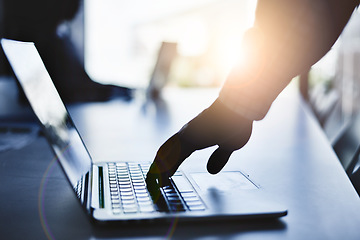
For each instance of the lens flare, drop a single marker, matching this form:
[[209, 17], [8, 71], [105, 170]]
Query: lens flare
[[41, 206]]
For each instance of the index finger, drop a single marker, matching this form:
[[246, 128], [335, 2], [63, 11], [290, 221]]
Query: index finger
[[156, 179]]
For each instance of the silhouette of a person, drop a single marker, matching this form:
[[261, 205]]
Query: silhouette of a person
[[37, 21]]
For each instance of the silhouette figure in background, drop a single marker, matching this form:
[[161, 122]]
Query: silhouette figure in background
[[287, 38], [37, 21]]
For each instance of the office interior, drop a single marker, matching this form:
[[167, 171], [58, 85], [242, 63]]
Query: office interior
[[117, 43]]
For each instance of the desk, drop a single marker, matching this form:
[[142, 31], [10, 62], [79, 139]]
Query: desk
[[288, 155]]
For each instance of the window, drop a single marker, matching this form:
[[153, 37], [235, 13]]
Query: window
[[123, 38]]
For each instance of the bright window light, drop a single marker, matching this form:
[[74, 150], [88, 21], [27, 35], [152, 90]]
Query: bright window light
[[123, 37]]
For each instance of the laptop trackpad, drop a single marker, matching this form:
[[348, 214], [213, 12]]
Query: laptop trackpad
[[223, 181]]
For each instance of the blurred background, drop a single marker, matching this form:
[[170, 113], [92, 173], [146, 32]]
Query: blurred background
[[118, 41], [122, 38]]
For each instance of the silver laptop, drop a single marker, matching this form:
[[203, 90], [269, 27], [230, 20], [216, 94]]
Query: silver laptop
[[116, 191]]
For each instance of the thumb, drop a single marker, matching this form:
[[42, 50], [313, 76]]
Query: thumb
[[218, 160]]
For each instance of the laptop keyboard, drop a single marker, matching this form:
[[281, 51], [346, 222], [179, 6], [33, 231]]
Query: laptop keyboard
[[129, 193]]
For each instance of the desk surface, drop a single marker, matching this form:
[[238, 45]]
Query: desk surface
[[287, 154]]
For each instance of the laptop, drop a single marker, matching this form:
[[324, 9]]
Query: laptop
[[116, 191]]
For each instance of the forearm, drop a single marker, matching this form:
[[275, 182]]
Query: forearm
[[288, 37]]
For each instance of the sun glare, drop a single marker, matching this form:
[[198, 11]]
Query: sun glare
[[122, 42]]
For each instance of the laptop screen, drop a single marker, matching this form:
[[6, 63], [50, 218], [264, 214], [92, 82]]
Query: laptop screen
[[49, 108]]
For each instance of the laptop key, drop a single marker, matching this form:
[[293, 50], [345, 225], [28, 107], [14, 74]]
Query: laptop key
[[128, 202], [130, 210], [125, 190], [197, 208], [116, 211], [147, 209], [139, 191], [126, 193], [194, 203], [143, 199], [127, 197], [116, 205]]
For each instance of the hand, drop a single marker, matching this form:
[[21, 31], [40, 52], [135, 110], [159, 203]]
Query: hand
[[216, 125]]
